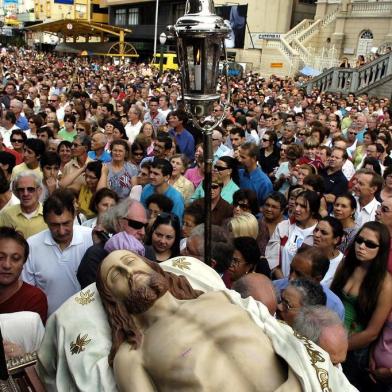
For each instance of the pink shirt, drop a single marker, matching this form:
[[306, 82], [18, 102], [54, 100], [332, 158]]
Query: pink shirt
[[194, 176]]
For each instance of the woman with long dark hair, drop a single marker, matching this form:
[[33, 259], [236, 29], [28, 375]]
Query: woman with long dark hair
[[164, 238], [289, 237], [365, 287], [269, 153]]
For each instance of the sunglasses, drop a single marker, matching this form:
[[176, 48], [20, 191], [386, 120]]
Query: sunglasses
[[80, 129], [16, 140], [29, 189], [302, 134], [242, 204], [369, 244], [215, 186], [220, 168], [136, 224], [265, 140]]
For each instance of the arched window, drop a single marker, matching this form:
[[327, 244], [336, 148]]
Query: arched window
[[365, 42]]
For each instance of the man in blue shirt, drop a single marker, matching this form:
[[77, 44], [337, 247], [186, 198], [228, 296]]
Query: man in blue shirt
[[98, 152], [311, 263], [160, 172], [16, 107], [184, 139], [252, 177]]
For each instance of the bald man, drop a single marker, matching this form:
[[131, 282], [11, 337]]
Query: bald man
[[260, 288]]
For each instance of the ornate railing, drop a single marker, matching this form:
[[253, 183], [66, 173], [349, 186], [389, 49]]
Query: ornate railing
[[357, 80], [371, 9]]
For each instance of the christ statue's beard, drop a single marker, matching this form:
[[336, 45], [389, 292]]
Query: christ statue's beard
[[142, 298]]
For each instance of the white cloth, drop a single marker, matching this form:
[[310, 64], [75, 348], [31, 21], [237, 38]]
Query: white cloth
[[284, 243], [6, 133], [11, 202], [133, 130], [54, 270], [88, 370], [348, 169], [23, 328], [366, 213], [333, 265], [90, 223]]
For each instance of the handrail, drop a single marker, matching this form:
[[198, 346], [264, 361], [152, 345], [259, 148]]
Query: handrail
[[353, 79]]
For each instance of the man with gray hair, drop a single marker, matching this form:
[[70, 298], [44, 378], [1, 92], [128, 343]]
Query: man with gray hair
[[128, 216], [16, 107], [218, 148], [26, 217], [324, 327], [221, 249]]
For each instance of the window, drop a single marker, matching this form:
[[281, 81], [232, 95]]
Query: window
[[133, 16], [120, 17]]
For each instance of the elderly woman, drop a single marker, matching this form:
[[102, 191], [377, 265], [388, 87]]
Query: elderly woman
[[299, 293], [177, 179]]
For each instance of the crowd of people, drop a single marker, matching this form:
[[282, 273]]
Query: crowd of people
[[97, 157]]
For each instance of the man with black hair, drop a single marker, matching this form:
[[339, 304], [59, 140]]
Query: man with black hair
[[184, 139], [7, 163], [157, 203], [16, 295], [160, 173], [55, 253], [32, 152], [7, 198], [311, 263], [50, 165], [153, 115]]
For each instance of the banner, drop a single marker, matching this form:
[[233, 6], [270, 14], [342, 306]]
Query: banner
[[235, 17], [70, 2]]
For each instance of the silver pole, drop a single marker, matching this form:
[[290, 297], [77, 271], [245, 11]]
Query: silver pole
[[156, 28]]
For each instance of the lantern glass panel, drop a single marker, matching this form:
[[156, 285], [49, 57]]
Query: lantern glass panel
[[195, 60]]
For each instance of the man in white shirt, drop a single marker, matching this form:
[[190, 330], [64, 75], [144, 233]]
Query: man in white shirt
[[55, 254], [164, 105], [367, 185], [132, 128]]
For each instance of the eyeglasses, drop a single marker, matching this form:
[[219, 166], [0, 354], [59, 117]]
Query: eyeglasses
[[235, 262], [16, 140], [286, 306], [29, 189], [369, 244], [352, 133], [220, 168], [136, 224], [80, 129], [215, 186], [76, 145], [217, 110]]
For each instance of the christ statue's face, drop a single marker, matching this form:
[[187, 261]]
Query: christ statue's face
[[132, 281]]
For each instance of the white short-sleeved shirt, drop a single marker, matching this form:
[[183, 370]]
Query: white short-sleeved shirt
[[53, 270], [366, 213], [333, 265]]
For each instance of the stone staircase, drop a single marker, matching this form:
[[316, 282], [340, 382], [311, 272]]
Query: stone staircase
[[374, 78], [292, 45]]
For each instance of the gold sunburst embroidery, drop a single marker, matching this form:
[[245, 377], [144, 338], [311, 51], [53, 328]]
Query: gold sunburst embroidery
[[181, 263], [79, 345], [85, 298]]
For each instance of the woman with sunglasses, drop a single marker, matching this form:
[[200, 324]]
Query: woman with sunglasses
[[245, 200], [163, 241], [17, 139], [269, 153], [344, 210], [289, 237], [177, 180], [225, 172], [365, 287], [35, 122]]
